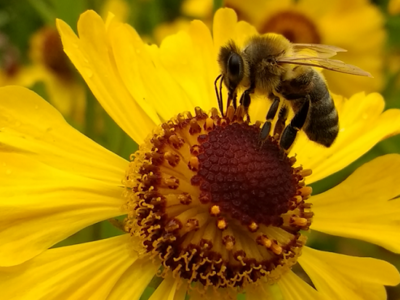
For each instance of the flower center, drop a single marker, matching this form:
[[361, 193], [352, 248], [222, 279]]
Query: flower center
[[296, 27], [51, 53], [215, 206]]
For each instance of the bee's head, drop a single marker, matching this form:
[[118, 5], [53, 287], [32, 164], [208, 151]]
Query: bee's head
[[232, 66]]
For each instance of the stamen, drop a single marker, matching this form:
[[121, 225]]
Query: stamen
[[221, 224], [276, 249], [215, 210], [306, 172], [185, 198], [209, 125], [253, 226], [193, 163], [306, 191], [172, 159]]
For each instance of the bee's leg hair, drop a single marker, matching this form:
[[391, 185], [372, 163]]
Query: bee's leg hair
[[290, 132]]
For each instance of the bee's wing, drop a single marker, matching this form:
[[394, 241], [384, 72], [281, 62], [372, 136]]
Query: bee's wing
[[317, 50], [329, 64]]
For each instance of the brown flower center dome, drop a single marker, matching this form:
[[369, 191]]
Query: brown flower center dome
[[214, 206], [296, 27], [48, 49]]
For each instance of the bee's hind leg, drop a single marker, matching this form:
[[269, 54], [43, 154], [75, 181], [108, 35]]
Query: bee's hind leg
[[289, 133], [266, 128]]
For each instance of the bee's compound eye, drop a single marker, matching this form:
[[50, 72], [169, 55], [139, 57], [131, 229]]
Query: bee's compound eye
[[234, 65], [235, 69]]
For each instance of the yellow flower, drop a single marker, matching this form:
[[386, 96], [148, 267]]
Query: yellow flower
[[356, 26], [181, 222], [65, 92], [199, 9], [50, 66], [394, 7], [119, 8]]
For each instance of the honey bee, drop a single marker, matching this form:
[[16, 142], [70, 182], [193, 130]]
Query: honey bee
[[283, 71]]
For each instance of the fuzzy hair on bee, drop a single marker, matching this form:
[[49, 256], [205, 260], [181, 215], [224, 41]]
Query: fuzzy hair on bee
[[284, 72]]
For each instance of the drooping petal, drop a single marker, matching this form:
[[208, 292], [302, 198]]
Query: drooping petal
[[90, 54], [41, 205], [84, 271], [346, 277], [294, 288], [361, 207], [55, 181], [362, 125]]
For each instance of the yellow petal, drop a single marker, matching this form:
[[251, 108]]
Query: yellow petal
[[90, 54], [52, 177], [84, 271], [168, 290], [195, 77], [31, 126], [294, 288], [134, 281], [361, 206], [147, 83], [346, 277], [225, 20], [362, 125], [41, 205], [226, 27], [364, 41]]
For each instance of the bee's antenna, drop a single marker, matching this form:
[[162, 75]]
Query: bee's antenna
[[218, 92]]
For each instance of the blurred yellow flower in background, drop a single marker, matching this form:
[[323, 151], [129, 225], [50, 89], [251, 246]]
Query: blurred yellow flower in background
[[50, 66], [119, 8], [53, 68], [357, 26], [56, 182], [394, 7], [190, 9]]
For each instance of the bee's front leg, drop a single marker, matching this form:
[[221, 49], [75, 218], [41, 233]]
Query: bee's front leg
[[245, 101]]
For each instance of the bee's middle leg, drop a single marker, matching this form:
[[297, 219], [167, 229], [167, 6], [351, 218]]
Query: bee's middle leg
[[281, 122], [265, 130], [289, 133]]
